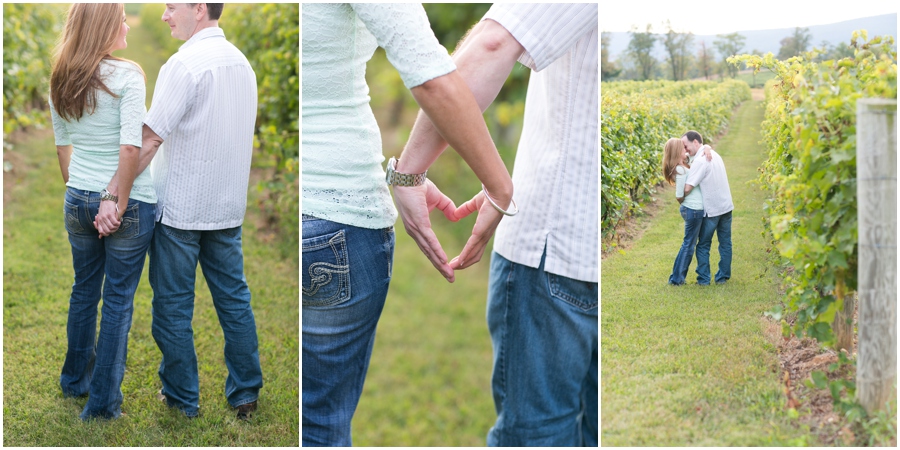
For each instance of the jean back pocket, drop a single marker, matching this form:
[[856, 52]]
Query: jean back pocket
[[326, 270], [581, 294]]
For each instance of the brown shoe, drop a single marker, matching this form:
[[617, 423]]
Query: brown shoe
[[244, 412]]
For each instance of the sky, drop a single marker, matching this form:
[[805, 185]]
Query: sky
[[706, 17]]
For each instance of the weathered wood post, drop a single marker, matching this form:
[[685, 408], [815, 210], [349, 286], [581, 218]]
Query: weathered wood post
[[876, 174]]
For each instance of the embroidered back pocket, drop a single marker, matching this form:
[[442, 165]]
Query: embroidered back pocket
[[326, 270]]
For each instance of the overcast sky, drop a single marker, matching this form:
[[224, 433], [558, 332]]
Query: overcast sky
[[705, 17]]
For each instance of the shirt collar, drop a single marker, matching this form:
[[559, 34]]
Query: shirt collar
[[206, 33]]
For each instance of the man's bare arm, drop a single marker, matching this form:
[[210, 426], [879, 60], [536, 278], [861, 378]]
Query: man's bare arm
[[150, 143]]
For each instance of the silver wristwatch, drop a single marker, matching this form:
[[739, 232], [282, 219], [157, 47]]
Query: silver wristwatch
[[394, 178], [105, 195]]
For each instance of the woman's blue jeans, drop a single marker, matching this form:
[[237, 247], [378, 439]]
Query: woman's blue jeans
[[693, 219], [544, 332], [346, 271], [174, 255], [113, 263]]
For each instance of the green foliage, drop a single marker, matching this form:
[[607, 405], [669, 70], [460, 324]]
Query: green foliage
[[29, 35], [151, 20], [638, 117], [269, 35], [810, 173]]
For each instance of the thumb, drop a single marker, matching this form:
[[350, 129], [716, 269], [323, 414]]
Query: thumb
[[469, 207]]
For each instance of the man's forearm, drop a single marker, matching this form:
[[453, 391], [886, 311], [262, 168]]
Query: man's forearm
[[150, 143], [687, 189], [484, 60]]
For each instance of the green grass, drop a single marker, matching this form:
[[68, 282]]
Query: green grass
[[690, 365], [37, 279], [757, 81]]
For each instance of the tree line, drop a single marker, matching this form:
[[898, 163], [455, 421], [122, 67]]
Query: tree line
[[686, 59]]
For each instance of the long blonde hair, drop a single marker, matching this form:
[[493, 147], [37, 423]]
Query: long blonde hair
[[672, 157], [89, 35]]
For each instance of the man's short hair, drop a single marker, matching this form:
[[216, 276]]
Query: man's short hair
[[693, 136], [213, 10]]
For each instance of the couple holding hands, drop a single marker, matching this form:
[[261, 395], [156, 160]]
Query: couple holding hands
[[542, 302], [187, 209]]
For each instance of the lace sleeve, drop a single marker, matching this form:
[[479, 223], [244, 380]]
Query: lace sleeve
[[60, 133], [131, 108], [404, 32]]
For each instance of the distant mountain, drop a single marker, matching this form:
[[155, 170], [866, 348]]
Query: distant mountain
[[770, 40]]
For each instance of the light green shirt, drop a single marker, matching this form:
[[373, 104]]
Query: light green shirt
[[343, 178], [694, 199], [95, 137]]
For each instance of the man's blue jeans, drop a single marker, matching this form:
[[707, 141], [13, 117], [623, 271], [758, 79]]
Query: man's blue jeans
[[721, 226], [544, 332], [693, 219], [174, 255], [115, 264], [346, 271]]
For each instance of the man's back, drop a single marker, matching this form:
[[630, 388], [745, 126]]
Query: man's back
[[713, 180], [204, 108]]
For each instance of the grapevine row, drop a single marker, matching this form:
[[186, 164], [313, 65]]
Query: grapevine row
[[637, 118], [810, 173]]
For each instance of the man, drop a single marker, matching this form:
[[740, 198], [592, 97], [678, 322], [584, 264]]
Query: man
[[204, 108], [543, 293], [709, 174]]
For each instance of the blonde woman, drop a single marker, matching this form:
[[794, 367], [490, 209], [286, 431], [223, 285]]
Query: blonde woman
[[97, 107], [676, 168]]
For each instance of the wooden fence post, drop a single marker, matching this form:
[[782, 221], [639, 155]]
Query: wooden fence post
[[876, 174]]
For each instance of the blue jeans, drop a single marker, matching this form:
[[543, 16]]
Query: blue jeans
[[115, 264], [721, 226], [693, 218], [544, 332], [174, 255], [346, 271]]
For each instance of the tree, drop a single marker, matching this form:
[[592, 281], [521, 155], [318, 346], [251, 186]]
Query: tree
[[705, 58], [608, 69], [728, 45], [640, 48], [678, 48], [795, 44]]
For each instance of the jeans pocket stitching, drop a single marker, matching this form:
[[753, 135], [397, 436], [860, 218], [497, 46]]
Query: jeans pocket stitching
[[324, 273], [557, 292], [73, 225], [131, 223]]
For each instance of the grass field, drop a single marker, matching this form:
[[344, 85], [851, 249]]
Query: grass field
[[690, 365], [37, 279]]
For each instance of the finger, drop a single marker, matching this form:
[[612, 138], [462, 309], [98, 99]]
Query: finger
[[431, 248], [467, 208], [470, 255], [446, 206]]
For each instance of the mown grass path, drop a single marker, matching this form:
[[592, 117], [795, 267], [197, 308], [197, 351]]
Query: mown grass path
[[690, 365]]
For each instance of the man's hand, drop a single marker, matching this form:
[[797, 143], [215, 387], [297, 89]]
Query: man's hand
[[414, 203], [708, 153], [107, 220], [485, 225]]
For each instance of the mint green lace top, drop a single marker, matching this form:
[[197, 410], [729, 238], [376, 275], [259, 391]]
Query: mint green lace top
[[343, 177], [96, 137]]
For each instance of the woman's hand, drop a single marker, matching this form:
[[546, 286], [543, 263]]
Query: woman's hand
[[485, 226], [107, 220], [414, 203]]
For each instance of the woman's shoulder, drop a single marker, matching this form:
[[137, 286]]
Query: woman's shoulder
[[681, 170], [121, 68]]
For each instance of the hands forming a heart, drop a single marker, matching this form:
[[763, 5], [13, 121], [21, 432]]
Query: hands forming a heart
[[415, 202]]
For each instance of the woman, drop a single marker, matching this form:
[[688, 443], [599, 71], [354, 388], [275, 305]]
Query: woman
[[348, 215], [675, 171], [97, 107]]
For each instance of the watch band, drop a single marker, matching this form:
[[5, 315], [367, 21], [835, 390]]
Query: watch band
[[105, 195], [394, 178]]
